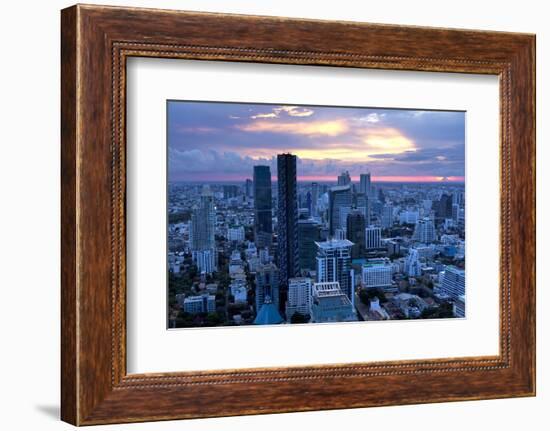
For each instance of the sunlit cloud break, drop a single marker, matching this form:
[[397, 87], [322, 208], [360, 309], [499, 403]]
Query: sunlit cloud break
[[349, 143], [327, 128]]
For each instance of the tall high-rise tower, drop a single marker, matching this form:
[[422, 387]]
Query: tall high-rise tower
[[444, 207], [340, 200], [202, 239], [287, 219], [355, 232], [387, 216], [309, 231], [363, 204], [263, 228], [364, 184]]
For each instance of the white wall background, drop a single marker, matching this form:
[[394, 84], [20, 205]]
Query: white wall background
[[29, 219]]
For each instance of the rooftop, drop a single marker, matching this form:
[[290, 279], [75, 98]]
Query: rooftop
[[340, 188], [454, 269], [329, 288], [334, 243], [268, 315], [376, 262]]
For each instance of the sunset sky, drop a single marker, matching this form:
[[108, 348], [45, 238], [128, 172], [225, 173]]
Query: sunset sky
[[209, 141]]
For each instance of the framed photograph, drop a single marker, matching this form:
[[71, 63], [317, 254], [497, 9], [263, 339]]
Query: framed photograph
[[327, 214]]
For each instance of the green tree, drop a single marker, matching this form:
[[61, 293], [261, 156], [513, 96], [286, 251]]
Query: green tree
[[299, 318], [364, 297], [213, 319]]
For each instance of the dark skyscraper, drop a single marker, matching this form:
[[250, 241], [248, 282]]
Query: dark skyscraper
[[230, 191], [444, 207], [309, 232], [287, 219], [262, 206], [362, 203], [340, 200], [355, 232]]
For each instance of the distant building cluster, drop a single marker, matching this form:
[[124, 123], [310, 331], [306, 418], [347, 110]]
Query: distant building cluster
[[283, 251]]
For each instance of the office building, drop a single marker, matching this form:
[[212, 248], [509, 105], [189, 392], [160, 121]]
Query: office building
[[377, 273], [199, 304], [386, 217], [365, 185], [205, 260], [230, 191], [373, 238], [334, 265], [339, 197], [309, 232], [330, 304], [454, 282], [456, 213], [355, 232], [458, 198], [412, 263], [203, 222], [424, 231], [202, 232], [299, 296], [362, 203], [263, 228], [287, 219], [444, 207], [344, 212]]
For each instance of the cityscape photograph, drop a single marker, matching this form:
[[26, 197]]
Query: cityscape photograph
[[297, 214]]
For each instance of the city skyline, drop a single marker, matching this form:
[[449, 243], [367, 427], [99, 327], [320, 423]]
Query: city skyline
[[259, 243], [213, 141]]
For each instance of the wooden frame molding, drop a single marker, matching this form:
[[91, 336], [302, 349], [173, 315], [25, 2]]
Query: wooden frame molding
[[95, 43]]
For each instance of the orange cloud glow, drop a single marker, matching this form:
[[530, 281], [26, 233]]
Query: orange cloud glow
[[352, 143], [312, 128], [386, 141]]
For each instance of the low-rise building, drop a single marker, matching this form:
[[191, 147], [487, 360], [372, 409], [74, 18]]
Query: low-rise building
[[377, 273], [299, 296], [330, 304], [200, 304]]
